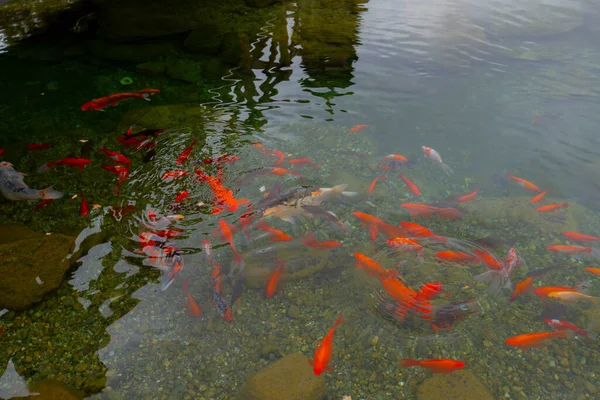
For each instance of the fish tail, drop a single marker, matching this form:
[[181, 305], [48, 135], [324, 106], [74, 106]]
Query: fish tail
[[409, 362], [146, 96], [447, 169], [338, 322], [45, 168], [167, 281], [50, 194], [337, 188], [185, 284]]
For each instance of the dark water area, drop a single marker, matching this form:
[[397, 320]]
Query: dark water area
[[281, 143]]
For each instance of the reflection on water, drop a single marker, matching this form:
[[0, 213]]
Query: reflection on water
[[200, 274]]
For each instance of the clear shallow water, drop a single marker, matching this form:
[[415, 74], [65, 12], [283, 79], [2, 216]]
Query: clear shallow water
[[492, 87]]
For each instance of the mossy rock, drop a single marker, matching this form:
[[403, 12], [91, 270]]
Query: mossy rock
[[184, 70], [23, 260], [460, 385], [290, 378], [170, 116]]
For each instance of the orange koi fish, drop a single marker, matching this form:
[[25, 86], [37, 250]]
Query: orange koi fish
[[172, 175], [488, 260], [275, 234], [194, 310], [310, 241], [410, 186], [283, 171], [544, 291], [405, 244], [571, 297], [371, 222], [523, 183], [324, 349], [398, 291], [580, 237], [594, 271], [186, 153], [379, 178], [522, 287], [551, 207], [395, 157], [116, 157], [303, 161], [73, 162], [444, 366], [181, 196], [216, 277], [37, 146], [467, 197], [224, 198], [225, 232], [359, 127], [278, 155], [372, 267], [539, 197], [274, 280], [456, 257], [535, 339], [569, 250]]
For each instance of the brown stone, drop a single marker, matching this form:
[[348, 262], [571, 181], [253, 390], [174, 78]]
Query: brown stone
[[459, 385], [290, 378], [21, 261]]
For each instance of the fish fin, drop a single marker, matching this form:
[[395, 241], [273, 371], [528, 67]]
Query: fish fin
[[336, 189], [44, 168], [50, 194], [167, 281], [291, 220], [447, 169], [349, 194], [146, 96]]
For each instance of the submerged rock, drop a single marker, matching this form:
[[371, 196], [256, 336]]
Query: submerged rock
[[463, 385], [27, 257], [290, 378]]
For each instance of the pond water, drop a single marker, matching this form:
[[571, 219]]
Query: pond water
[[287, 121]]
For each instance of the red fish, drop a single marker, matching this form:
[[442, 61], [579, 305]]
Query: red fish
[[194, 309], [523, 183], [275, 234], [73, 162], [522, 288], [172, 175], [559, 325], [544, 291], [417, 230], [551, 207], [358, 127], [372, 268], [116, 157], [42, 204], [405, 244], [84, 210], [310, 241], [580, 237], [410, 186], [467, 197], [278, 155], [535, 339], [320, 361], [569, 250], [379, 178], [370, 222], [1, 152], [283, 171], [245, 222], [186, 153], [539, 197], [38, 146], [225, 232], [395, 158], [274, 280], [101, 103], [224, 198], [444, 366], [120, 171], [488, 260], [425, 211], [456, 257], [181, 196], [223, 159], [303, 161]]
